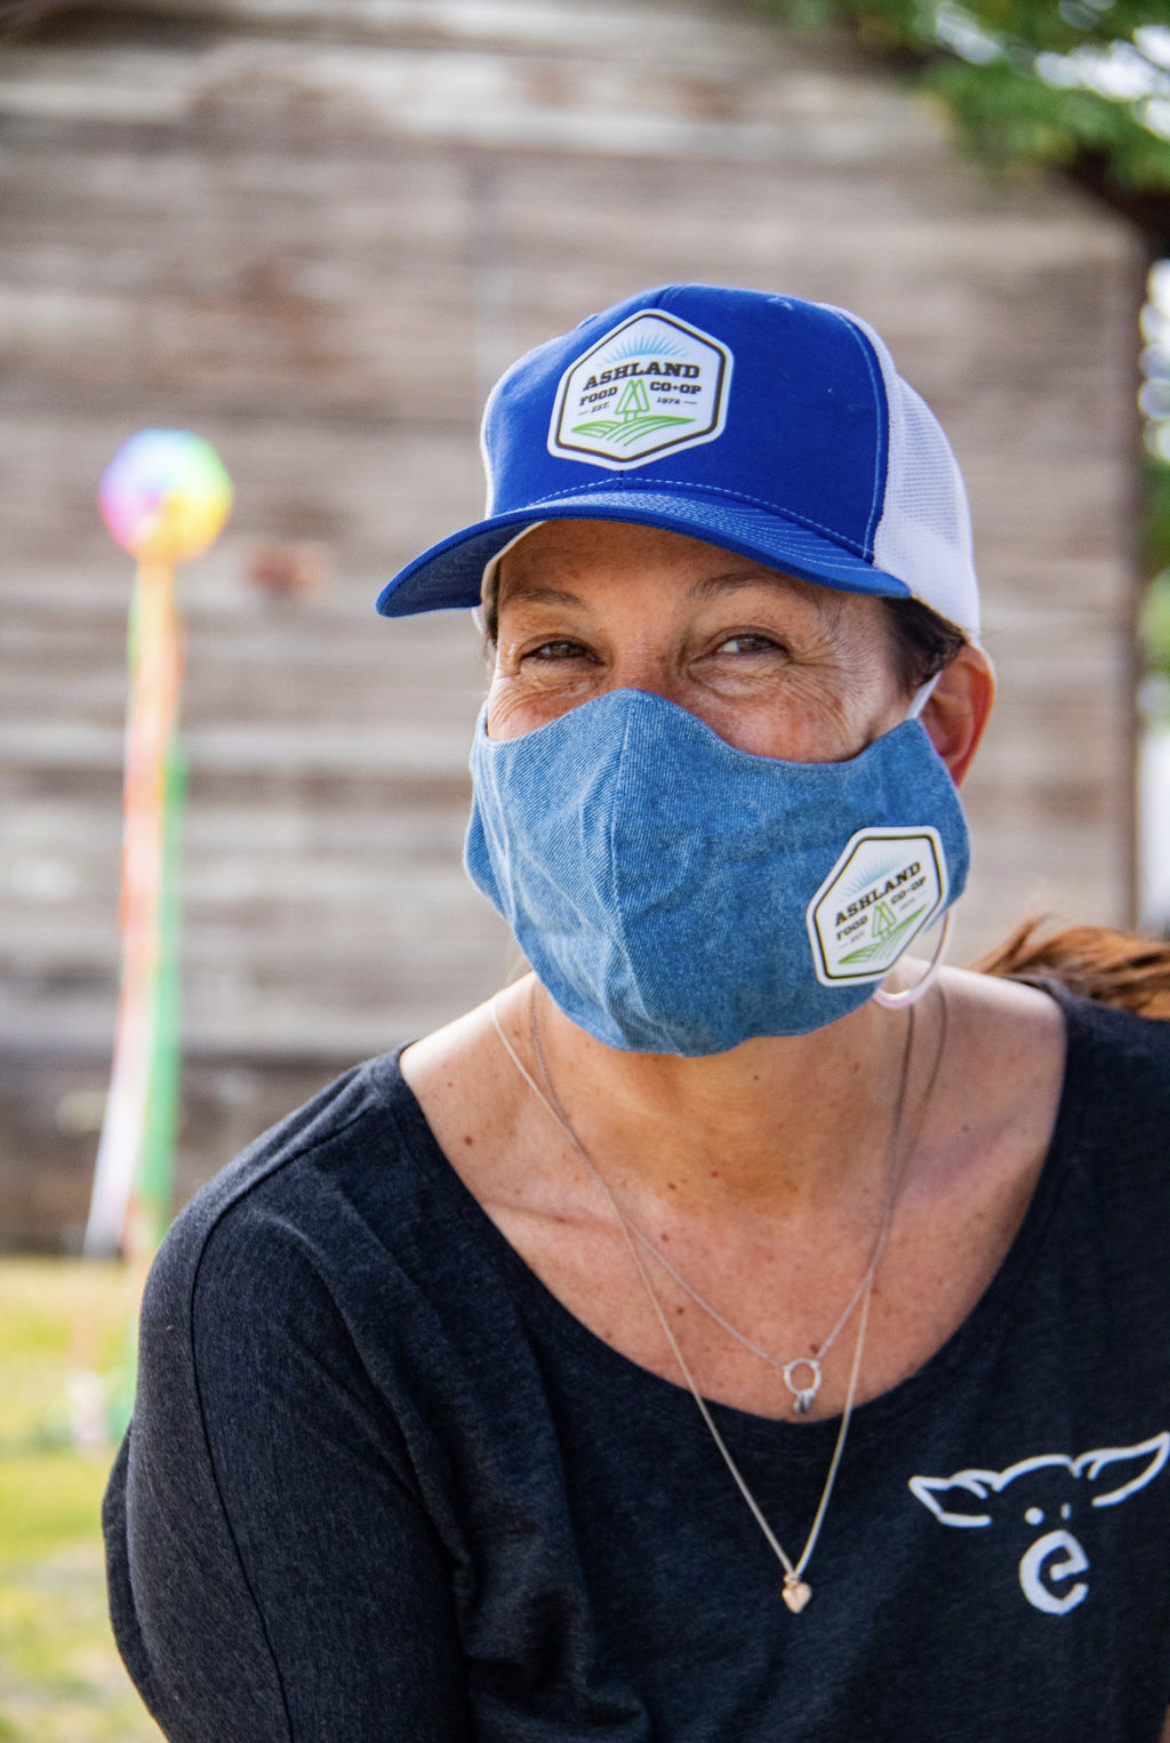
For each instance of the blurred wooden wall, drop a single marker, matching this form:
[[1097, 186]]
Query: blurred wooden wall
[[314, 231]]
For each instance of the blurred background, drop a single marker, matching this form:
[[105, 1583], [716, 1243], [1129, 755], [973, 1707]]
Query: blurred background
[[314, 231]]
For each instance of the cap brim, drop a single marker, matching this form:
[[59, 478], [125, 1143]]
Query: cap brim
[[449, 575]]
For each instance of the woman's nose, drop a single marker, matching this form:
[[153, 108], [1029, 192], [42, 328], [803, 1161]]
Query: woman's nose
[[648, 669]]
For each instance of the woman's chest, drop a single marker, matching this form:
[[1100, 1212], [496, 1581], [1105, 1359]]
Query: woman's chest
[[990, 1563], [742, 1303]]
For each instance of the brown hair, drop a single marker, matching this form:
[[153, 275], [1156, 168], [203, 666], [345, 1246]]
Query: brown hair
[[924, 643], [1095, 962]]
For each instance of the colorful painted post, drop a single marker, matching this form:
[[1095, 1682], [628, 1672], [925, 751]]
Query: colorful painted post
[[165, 497]]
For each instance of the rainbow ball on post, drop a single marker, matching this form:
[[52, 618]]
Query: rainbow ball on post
[[165, 496]]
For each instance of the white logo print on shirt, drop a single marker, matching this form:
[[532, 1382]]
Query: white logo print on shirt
[[978, 1498]]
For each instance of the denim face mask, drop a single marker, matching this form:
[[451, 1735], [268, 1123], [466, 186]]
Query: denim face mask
[[676, 895]]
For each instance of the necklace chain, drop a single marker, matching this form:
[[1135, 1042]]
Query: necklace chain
[[796, 1591], [803, 1396]]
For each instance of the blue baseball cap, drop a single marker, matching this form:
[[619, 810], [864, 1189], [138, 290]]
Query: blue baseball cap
[[769, 426]]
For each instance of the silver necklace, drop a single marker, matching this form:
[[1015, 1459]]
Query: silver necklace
[[796, 1591], [803, 1374]]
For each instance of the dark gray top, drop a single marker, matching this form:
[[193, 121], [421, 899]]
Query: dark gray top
[[381, 1487]]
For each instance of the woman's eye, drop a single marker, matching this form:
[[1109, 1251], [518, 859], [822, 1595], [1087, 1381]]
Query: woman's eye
[[557, 650], [749, 644]]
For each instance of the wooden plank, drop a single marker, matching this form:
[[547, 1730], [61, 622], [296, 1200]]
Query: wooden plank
[[315, 234]]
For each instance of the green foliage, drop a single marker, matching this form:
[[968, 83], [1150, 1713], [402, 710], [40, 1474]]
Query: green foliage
[[1028, 81], [1155, 624], [1077, 85], [1156, 526], [1155, 614], [1011, 117], [1043, 24]]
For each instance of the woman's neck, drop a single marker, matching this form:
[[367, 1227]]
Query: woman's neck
[[798, 1125]]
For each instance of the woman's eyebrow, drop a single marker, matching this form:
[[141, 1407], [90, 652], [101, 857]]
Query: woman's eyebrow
[[540, 593], [711, 585]]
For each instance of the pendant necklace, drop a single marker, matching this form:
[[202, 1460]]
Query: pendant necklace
[[796, 1590], [803, 1374]]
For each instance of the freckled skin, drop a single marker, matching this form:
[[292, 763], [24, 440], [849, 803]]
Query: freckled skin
[[774, 665], [763, 1167]]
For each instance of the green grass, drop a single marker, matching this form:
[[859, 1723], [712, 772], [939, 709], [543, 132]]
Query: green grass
[[61, 1680]]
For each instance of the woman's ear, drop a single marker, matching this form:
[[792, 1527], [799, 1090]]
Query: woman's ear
[[958, 708]]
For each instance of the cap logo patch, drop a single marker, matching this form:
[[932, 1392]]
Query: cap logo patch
[[651, 386], [886, 887]]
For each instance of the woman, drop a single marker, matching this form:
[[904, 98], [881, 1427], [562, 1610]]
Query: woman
[[728, 1332]]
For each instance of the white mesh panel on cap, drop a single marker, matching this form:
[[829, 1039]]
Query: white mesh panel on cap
[[924, 534]]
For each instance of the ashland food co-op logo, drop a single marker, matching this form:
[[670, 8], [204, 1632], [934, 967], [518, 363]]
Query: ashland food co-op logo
[[887, 885], [653, 384]]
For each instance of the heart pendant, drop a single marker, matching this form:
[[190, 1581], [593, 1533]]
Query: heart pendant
[[796, 1593]]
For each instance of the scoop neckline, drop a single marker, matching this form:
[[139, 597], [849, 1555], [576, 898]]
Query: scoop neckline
[[875, 1413]]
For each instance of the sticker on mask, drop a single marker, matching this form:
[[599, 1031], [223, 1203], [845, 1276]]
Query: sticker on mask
[[886, 887], [650, 387]]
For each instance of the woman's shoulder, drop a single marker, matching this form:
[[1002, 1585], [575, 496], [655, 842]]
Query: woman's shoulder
[[1025, 1012], [1112, 1064], [355, 1151], [1118, 1072], [1039, 1072]]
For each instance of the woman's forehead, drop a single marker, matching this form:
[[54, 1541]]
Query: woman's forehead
[[578, 558], [610, 541]]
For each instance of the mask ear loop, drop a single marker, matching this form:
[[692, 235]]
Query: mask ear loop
[[911, 995], [922, 696]]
